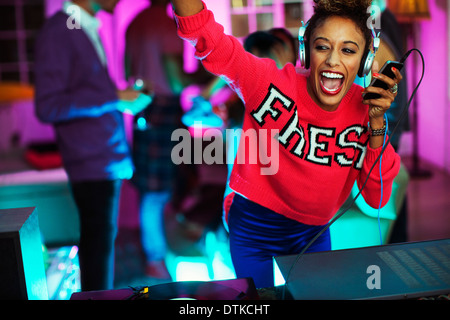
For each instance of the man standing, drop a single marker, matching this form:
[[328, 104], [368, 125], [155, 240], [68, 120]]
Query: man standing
[[75, 93], [154, 53]]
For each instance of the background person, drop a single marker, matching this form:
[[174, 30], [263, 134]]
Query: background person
[[154, 54], [75, 93]]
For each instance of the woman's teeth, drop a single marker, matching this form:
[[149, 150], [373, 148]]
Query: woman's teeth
[[332, 75], [331, 82]]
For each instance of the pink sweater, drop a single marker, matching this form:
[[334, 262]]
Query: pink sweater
[[320, 154]]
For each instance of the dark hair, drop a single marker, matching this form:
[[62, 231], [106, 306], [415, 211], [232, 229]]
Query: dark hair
[[355, 10], [285, 35], [263, 41]]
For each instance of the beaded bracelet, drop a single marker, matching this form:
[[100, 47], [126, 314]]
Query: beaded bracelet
[[378, 132]]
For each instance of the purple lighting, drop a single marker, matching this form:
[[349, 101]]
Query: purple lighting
[[433, 101]]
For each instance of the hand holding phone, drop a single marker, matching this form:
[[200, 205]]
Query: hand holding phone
[[386, 70]]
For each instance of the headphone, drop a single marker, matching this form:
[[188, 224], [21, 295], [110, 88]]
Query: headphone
[[366, 62]]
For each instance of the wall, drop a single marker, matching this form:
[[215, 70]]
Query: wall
[[433, 97], [447, 146]]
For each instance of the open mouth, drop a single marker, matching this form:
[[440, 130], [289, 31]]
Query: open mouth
[[331, 82]]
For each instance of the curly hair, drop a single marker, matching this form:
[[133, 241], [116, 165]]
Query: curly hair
[[355, 10], [342, 6]]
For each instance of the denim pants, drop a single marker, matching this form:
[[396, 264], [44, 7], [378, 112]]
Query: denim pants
[[98, 207], [153, 238], [257, 234]]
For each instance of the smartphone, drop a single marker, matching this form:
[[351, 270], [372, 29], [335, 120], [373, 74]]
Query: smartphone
[[386, 70]]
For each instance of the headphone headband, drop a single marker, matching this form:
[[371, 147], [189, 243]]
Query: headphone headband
[[302, 50]]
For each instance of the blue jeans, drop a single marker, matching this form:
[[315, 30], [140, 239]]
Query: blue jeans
[[152, 206], [257, 234]]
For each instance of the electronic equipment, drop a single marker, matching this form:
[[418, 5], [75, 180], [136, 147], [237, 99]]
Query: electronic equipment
[[22, 272], [233, 289], [403, 271], [386, 70]]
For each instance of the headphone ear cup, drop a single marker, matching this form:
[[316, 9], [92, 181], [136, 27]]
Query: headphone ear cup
[[306, 55], [303, 47], [366, 63], [303, 54]]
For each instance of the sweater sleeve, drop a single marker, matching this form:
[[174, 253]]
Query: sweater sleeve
[[390, 167], [223, 55], [54, 102]]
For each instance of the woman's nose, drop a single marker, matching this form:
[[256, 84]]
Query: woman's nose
[[333, 58]]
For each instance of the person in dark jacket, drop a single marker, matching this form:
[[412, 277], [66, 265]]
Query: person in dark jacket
[[75, 93]]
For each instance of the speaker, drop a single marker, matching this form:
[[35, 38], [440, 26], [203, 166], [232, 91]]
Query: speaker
[[22, 272]]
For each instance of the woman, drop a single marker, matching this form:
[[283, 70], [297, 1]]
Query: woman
[[321, 128]]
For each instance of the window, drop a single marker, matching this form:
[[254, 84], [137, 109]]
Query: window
[[248, 16], [20, 20]]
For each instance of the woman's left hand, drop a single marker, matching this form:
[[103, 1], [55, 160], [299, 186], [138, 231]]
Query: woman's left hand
[[377, 107]]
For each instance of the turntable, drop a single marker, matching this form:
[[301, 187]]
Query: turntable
[[234, 289]]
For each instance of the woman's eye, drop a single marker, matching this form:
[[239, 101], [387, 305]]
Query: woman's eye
[[320, 48], [349, 51]]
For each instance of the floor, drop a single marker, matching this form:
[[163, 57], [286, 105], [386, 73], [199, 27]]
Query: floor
[[212, 261], [428, 204]]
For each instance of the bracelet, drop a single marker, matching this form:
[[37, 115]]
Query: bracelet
[[378, 132]]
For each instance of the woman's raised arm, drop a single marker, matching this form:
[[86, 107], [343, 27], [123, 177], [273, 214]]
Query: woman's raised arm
[[187, 7]]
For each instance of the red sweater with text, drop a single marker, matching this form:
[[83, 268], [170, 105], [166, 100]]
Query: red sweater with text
[[294, 158]]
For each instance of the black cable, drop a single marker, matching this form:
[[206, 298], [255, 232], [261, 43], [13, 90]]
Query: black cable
[[402, 116]]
